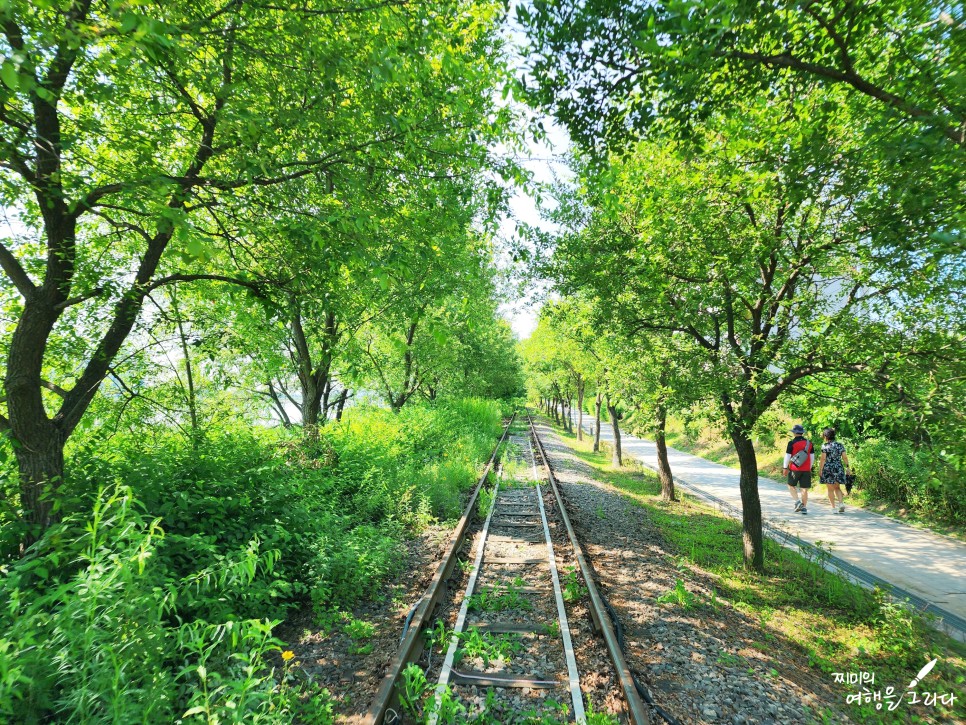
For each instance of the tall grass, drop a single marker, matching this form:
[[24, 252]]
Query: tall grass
[[155, 599]]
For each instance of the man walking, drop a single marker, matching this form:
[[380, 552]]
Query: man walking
[[799, 457]]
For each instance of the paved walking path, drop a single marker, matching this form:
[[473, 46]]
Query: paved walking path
[[929, 565]]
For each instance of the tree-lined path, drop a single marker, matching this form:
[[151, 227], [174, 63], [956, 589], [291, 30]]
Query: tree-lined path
[[920, 561]]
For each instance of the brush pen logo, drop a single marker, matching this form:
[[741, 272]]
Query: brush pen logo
[[922, 673], [891, 698]]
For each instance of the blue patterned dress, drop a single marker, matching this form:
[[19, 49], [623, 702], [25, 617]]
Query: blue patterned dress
[[834, 470]]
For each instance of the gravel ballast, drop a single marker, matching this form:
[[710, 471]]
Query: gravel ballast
[[707, 664]]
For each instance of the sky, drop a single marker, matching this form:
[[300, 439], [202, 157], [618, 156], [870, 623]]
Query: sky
[[545, 159]]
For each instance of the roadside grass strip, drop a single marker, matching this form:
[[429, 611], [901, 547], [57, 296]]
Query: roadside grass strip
[[841, 626]]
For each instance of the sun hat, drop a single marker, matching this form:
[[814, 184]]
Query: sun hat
[[798, 429]]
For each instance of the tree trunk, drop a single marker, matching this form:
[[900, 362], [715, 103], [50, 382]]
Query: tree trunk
[[580, 413], [327, 391], [340, 405], [38, 441], [616, 458], [189, 372], [311, 406], [663, 465], [598, 401], [750, 502], [40, 461]]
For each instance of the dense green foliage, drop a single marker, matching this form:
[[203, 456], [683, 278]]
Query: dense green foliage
[[610, 67], [768, 200], [287, 202], [173, 562], [231, 230]]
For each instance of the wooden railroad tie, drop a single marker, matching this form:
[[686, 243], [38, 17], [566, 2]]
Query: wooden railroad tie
[[485, 679], [516, 560], [510, 627]]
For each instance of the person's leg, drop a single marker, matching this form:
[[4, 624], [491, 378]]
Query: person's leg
[[832, 494], [804, 483], [793, 490]]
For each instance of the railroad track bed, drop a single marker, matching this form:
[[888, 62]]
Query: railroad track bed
[[703, 664], [504, 647]]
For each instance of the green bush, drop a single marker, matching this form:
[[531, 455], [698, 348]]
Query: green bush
[[921, 480], [155, 598], [90, 632]]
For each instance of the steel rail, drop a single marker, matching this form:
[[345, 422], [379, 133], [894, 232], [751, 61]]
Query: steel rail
[[573, 675], [464, 608], [635, 705], [409, 649]]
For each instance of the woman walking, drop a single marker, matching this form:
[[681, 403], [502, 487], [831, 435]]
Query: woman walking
[[832, 467]]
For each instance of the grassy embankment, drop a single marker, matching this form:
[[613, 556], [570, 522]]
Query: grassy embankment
[[840, 626], [155, 599]]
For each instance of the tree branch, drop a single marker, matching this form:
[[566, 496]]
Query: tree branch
[[787, 60], [96, 292], [15, 272], [53, 388], [172, 278]]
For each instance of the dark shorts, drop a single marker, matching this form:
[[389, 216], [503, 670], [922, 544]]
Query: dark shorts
[[802, 479]]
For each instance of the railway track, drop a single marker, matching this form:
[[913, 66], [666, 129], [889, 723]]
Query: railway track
[[524, 631]]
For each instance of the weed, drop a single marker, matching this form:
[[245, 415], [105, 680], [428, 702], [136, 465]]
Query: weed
[[488, 646], [898, 634], [727, 659], [599, 511], [492, 599], [573, 589], [358, 629], [680, 596], [412, 690], [599, 718], [438, 635], [553, 713], [485, 502], [552, 629]]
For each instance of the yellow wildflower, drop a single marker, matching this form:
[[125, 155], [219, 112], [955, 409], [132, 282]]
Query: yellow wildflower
[[288, 655]]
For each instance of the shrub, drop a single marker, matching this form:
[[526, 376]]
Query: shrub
[[89, 633], [920, 479], [155, 598]]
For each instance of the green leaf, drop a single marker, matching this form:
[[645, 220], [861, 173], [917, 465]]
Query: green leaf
[[129, 22], [9, 75], [195, 247]]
